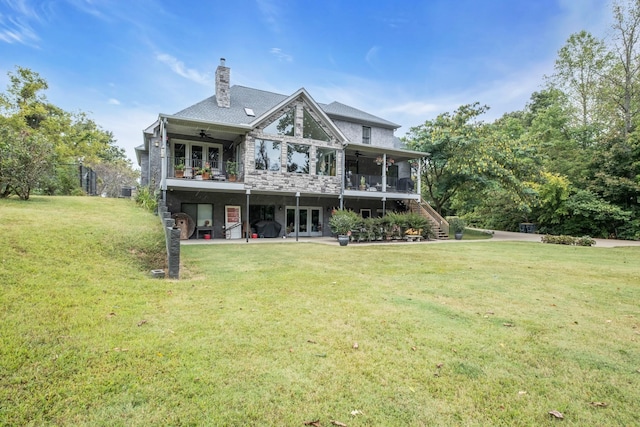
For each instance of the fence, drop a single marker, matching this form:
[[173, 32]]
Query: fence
[[88, 180]]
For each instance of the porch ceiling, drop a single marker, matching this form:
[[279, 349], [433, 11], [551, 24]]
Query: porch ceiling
[[220, 131], [371, 152]]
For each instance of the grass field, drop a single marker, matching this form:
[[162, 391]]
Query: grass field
[[472, 334]]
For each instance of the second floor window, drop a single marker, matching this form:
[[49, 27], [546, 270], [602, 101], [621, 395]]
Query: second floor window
[[326, 161], [267, 155], [366, 135], [297, 158]]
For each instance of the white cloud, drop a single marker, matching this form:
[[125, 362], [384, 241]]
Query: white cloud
[[282, 56], [179, 68], [15, 26], [113, 101], [372, 55]]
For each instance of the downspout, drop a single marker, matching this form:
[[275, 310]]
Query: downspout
[[163, 159]]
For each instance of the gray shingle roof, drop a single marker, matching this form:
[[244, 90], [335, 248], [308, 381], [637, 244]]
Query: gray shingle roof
[[241, 97], [261, 101], [346, 112]]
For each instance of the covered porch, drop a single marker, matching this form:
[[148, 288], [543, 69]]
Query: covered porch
[[373, 169], [195, 150]]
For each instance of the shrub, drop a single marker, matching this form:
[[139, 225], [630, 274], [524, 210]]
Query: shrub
[[585, 241], [147, 199], [343, 221], [456, 224], [568, 240]]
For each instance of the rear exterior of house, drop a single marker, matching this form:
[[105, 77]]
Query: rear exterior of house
[[247, 162]]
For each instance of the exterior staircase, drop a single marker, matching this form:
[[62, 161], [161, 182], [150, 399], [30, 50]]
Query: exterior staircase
[[439, 225]]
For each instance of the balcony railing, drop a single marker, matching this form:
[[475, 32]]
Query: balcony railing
[[362, 182], [179, 167]]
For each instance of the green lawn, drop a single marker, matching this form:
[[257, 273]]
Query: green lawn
[[476, 334]]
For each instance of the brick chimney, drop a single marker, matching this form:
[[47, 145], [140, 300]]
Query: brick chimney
[[223, 74]]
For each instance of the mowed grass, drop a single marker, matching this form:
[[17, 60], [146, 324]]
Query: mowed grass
[[473, 334]]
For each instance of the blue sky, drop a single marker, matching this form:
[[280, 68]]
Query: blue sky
[[126, 61]]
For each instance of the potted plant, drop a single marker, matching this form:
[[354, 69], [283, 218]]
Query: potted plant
[[363, 183], [198, 173], [456, 226], [179, 170], [232, 170], [341, 223], [206, 171]]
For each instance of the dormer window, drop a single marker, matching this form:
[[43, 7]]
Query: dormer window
[[366, 135]]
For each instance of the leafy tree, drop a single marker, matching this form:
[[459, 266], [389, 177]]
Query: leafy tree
[[553, 194], [579, 68], [625, 76], [38, 136], [112, 176], [615, 171], [25, 161], [587, 214], [467, 158], [453, 142]]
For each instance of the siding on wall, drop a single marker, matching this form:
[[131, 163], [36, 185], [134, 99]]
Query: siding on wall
[[353, 131]]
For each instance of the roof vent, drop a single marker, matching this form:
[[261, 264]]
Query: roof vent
[[249, 112]]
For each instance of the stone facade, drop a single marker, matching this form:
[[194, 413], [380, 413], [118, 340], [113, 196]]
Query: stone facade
[[282, 180]]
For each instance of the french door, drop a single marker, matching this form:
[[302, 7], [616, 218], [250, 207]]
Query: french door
[[198, 155], [310, 222]]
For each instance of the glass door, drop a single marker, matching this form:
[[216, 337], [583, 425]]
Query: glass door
[[214, 159], [310, 221]]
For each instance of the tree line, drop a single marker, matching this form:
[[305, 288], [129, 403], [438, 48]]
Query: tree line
[[569, 161], [41, 145]]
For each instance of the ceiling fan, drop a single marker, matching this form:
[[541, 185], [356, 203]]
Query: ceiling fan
[[203, 134]]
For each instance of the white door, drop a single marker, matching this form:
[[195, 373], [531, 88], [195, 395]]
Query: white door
[[233, 222]]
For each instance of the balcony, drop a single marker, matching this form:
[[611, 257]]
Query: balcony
[[199, 170], [374, 183]]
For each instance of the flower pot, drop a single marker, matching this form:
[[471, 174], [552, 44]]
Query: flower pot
[[198, 177], [179, 173], [207, 237], [232, 178], [343, 239], [458, 236], [205, 175]]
